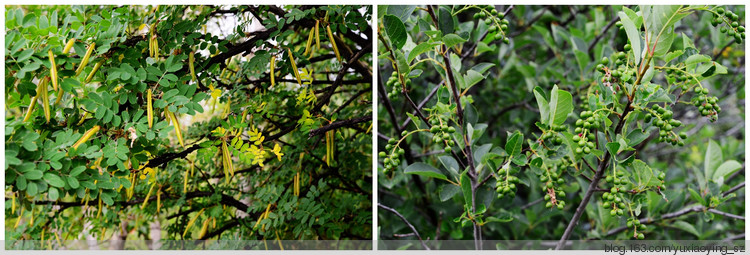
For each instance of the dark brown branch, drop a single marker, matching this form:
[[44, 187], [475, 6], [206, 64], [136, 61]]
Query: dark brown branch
[[340, 124], [600, 35]]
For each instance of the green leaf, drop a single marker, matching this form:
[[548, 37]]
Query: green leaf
[[449, 163], [697, 58], [613, 148], [403, 66], [561, 104], [445, 19], [401, 11], [514, 143], [543, 105], [421, 48], [425, 170], [77, 170], [451, 40], [54, 180], [727, 168], [33, 175], [395, 30], [73, 182], [471, 78], [466, 189], [672, 55], [53, 194], [447, 191], [582, 58], [687, 227], [712, 160], [696, 196], [633, 36]]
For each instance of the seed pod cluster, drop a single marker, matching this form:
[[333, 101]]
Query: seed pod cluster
[[614, 199], [395, 85], [227, 160], [495, 20], [584, 132], [636, 225], [441, 133], [551, 182], [192, 221], [662, 118], [506, 182], [553, 134], [708, 106], [730, 22], [392, 155]]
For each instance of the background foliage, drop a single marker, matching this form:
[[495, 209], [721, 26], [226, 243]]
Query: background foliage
[[504, 86], [255, 160]]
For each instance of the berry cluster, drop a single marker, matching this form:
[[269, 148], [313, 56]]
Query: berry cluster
[[707, 105], [680, 76], [614, 199], [732, 26], [495, 20], [662, 118], [395, 84], [584, 132], [616, 73], [393, 158], [556, 140], [550, 184], [506, 183], [636, 224], [441, 132]]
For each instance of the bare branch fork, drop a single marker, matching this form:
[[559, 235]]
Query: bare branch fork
[[414, 230]]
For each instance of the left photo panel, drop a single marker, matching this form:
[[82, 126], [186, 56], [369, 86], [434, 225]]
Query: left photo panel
[[188, 127]]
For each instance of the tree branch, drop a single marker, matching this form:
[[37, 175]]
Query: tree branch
[[407, 223], [340, 124]]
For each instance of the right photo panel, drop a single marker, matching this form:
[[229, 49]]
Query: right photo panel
[[538, 127]]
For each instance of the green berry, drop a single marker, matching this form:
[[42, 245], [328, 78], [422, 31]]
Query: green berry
[[448, 149], [604, 61]]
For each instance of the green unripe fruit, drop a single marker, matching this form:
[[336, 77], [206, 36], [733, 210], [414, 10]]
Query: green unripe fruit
[[446, 136], [730, 32], [451, 130], [683, 135], [613, 190], [487, 21], [448, 149], [506, 40], [662, 176], [590, 136], [723, 30], [581, 142], [629, 224], [613, 212], [561, 193], [606, 205], [608, 179], [735, 24], [401, 151], [590, 144], [444, 128], [506, 189], [504, 27], [620, 212], [604, 61], [451, 143], [600, 68], [501, 15], [500, 196], [560, 181], [392, 141], [477, 16], [498, 36], [640, 236], [382, 154], [560, 206], [548, 205], [547, 197], [434, 129], [512, 186], [627, 47], [550, 185], [586, 150], [493, 11], [579, 150], [576, 138], [622, 55], [720, 10]]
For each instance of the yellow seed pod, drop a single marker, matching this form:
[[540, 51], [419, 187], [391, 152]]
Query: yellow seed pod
[[53, 69], [30, 110], [204, 228], [156, 47], [294, 66], [149, 109], [191, 60], [13, 203], [85, 59], [273, 69], [158, 199], [148, 195], [86, 136], [176, 124], [99, 212], [308, 46], [69, 45], [192, 221], [185, 184], [83, 118], [93, 72], [42, 91], [151, 46], [333, 43], [317, 34]]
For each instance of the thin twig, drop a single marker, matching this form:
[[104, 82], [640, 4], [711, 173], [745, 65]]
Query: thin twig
[[407, 223]]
